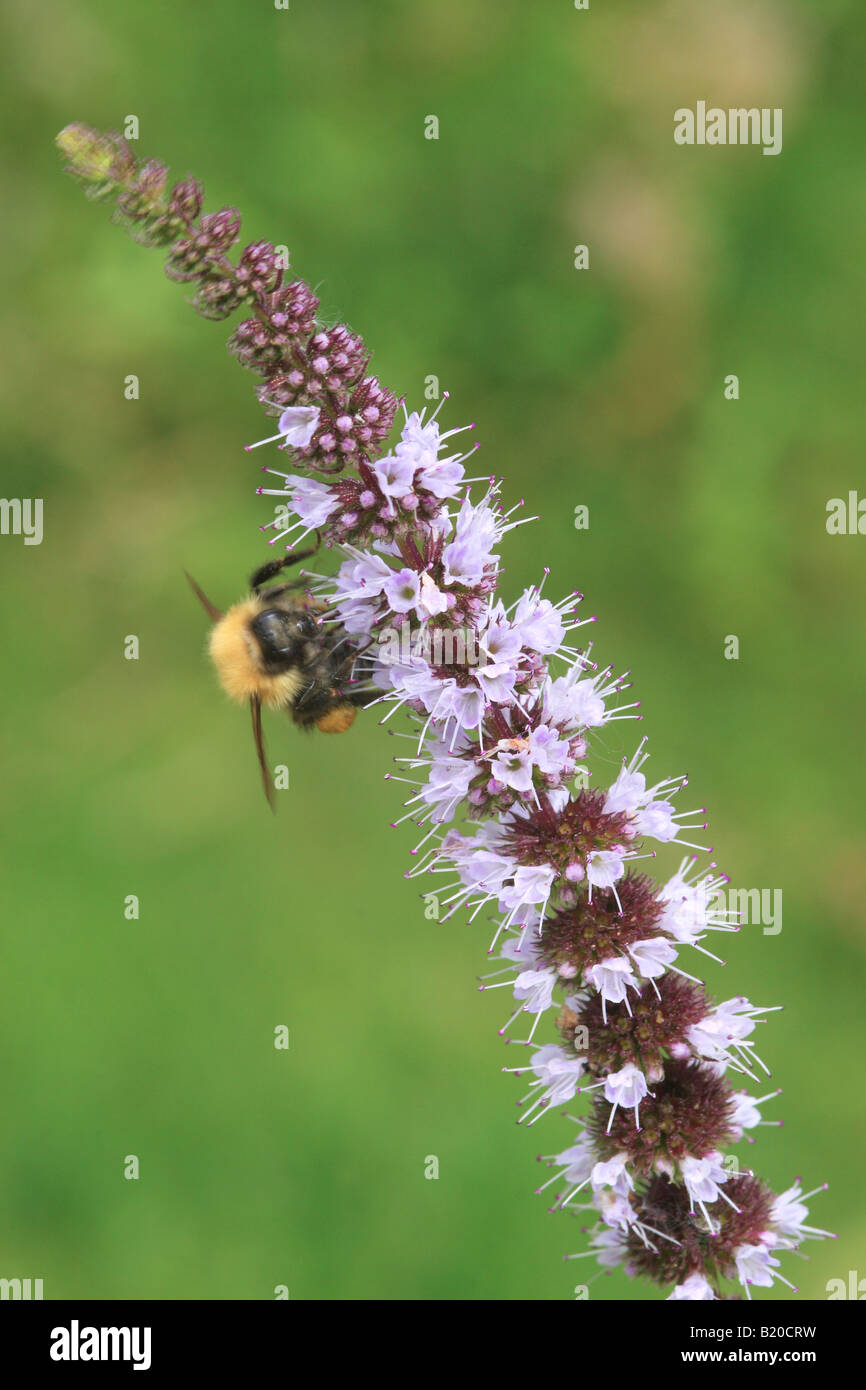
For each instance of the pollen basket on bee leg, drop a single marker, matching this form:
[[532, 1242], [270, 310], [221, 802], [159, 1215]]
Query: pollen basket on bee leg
[[337, 720]]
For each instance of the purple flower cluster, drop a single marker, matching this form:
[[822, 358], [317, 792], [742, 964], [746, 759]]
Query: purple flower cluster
[[505, 708], [503, 730]]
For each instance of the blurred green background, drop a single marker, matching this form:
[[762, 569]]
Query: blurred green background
[[601, 387]]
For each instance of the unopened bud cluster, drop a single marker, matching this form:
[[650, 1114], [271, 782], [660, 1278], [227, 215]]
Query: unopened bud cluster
[[301, 363]]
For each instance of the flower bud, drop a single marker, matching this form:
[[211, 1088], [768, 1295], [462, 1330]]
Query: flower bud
[[186, 200], [96, 158]]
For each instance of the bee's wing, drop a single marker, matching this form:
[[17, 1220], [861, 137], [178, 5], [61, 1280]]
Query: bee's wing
[[256, 711]]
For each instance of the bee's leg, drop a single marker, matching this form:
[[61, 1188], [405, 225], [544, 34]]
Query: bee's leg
[[361, 698], [347, 661], [299, 715], [315, 701], [274, 567], [346, 671], [356, 690]]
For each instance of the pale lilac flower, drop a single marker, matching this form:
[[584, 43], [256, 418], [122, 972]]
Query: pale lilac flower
[[577, 701], [402, 590], [448, 781], [614, 1173], [530, 887], [358, 587], [393, 475], [721, 1035], [745, 1113], [465, 705], [557, 1076], [657, 820], [703, 1178], [513, 767], [626, 1088], [627, 793], [550, 754], [470, 554], [695, 1289], [496, 681], [420, 444], [612, 1249], [788, 1216], [500, 641], [431, 600], [296, 426], [612, 978], [755, 1265], [442, 477], [652, 956], [647, 807], [577, 1162], [604, 867], [615, 1209], [535, 988], [693, 909], [537, 624]]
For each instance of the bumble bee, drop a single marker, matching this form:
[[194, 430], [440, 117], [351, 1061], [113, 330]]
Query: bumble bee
[[271, 649]]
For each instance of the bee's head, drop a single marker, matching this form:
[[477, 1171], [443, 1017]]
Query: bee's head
[[257, 653], [261, 644], [281, 636]]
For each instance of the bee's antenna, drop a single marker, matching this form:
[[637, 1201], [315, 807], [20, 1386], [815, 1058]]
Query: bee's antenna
[[256, 712], [210, 608]]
